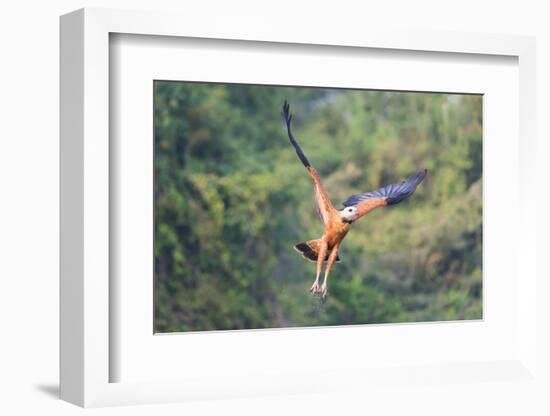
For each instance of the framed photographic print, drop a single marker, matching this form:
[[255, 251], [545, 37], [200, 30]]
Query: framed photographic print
[[315, 206]]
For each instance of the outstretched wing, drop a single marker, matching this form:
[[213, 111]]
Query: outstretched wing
[[324, 205], [388, 195]]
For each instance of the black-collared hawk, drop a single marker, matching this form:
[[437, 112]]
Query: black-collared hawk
[[338, 222]]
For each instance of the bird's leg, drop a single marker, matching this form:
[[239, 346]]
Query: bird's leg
[[331, 260], [320, 260]]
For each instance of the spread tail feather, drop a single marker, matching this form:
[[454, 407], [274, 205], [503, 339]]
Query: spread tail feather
[[310, 250]]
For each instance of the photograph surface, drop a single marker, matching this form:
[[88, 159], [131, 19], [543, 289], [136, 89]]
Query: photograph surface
[[281, 207]]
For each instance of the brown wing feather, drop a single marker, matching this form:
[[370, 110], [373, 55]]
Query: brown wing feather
[[366, 206], [326, 209]]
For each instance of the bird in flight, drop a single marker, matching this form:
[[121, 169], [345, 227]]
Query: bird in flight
[[338, 222]]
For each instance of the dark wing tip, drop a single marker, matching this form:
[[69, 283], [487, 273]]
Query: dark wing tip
[[286, 113], [406, 188], [288, 118], [417, 178]]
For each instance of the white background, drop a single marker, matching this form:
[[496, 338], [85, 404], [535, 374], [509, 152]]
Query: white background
[[29, 209]]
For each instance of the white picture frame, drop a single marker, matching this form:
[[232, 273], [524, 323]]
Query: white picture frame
[[86, 356]]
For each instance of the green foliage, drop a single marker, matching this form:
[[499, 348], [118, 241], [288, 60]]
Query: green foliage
[[231, 200]]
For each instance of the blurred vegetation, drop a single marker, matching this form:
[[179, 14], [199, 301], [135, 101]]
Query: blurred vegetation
[[231, 200]]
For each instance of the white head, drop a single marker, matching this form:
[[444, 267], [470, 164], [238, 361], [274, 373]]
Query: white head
[[348, 213]]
